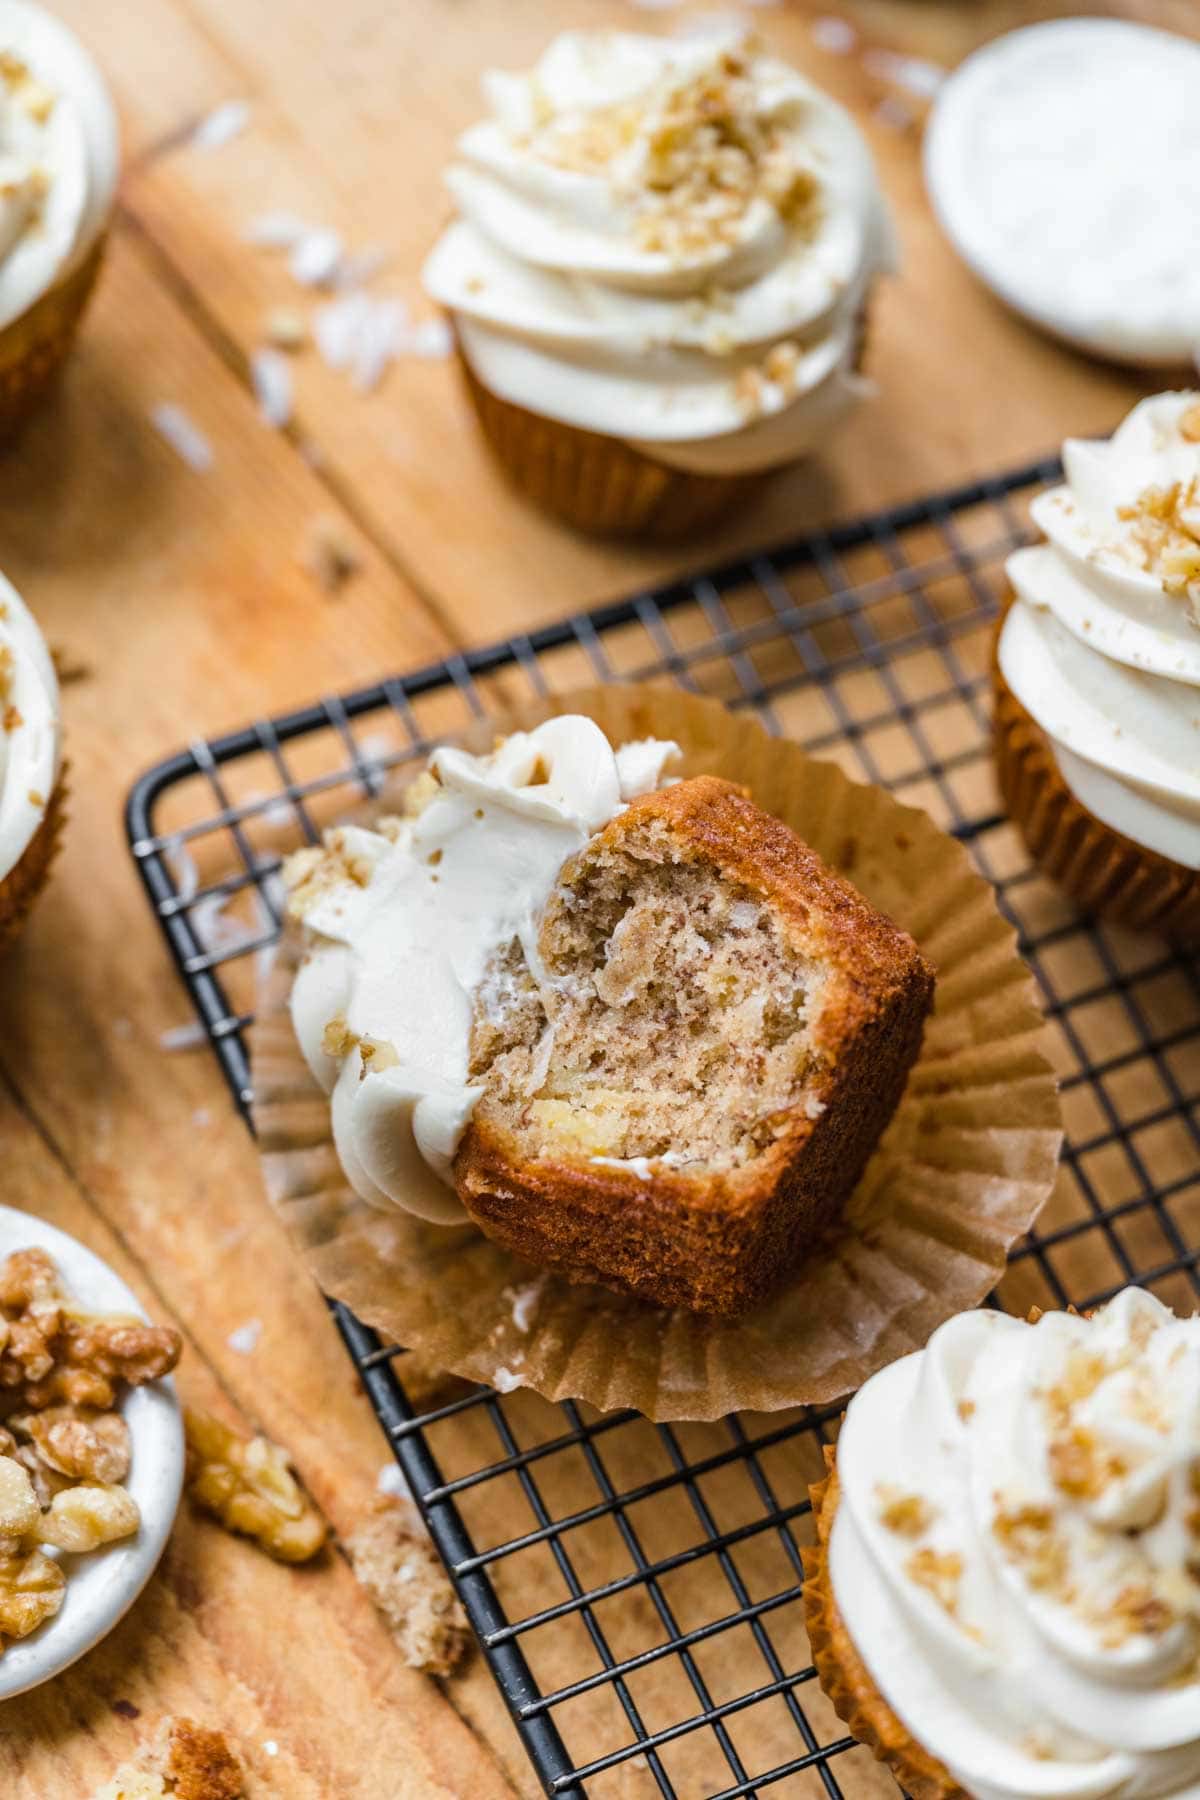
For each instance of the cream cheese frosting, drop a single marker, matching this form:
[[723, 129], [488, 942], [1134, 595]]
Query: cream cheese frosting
[[669, 241], [58, 155], [30, 732], [403, 921], [1102, 647], [1016, 1550]]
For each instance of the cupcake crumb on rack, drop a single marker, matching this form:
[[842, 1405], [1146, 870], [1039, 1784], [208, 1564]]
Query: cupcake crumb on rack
[[330, 554], [400, 1570]]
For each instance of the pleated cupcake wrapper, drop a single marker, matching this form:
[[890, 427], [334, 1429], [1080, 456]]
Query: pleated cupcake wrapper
[[35, 345], [845, 1681], [599, 484], [1104, 872], [29, 874], [960, 1174]]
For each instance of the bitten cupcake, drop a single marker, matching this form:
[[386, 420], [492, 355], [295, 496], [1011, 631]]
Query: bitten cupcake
[[633, 1029], [1097, 674], [59, 153], [659, 275], [1005, 1598], [30, 761]]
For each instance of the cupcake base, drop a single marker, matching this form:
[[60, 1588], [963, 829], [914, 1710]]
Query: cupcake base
[[1105, 873], [599, 484], [845, 1680], [28, 876], [34, 347]]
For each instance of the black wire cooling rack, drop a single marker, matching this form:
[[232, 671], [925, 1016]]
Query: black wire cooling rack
[[636, 1589]]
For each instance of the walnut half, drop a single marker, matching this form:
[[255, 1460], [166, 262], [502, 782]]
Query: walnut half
[[246, 1484]]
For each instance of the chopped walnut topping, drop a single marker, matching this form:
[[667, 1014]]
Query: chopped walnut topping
[[1080, 1466], [63, 1449], [1136, 1611], [337, 1038], [1164, 536], [246, 1484], [966, 1410], [310, 873], [1189, 425], [404, 1578], [1028, 1537], [939, 1573], [692, 155], [908, 1515]]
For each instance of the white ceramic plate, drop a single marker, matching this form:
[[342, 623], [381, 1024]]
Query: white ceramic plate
[[103, 1586], [1063, 163]]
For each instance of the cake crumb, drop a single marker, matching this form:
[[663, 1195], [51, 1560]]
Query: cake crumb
[[401, 1573], [185, 1761], [330, 555]]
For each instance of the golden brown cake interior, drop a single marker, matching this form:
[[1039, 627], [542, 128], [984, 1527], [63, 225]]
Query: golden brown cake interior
[[672, 1016], [683, 1081]]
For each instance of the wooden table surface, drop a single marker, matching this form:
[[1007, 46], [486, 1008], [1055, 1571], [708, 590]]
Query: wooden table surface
[[183, 599]]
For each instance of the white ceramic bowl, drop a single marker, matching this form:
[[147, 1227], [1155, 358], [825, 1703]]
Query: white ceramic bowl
[[1063, 163], [103, 1586]]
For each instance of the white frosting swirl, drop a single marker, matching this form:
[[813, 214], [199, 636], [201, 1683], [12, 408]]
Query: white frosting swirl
[[1103, 645], [1016, 1550], [30, 732], [58, 154], [403, 922], [602, 275]]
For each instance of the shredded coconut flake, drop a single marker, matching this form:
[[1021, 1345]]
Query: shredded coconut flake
[[431, 338], [272, 376], [524, 1300], [837, 36], [183, 1037], [505, 1380], [184, 436], [316, 257], [276, 230], [896, 113], [245, 1339], [912, 73], [362, 266], [222, 125]]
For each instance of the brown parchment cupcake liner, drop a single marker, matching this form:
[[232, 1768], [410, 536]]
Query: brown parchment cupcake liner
[[29, 874], [600, 484], [959, 1175], [845, 1681], [1104, 872], [34, 347]]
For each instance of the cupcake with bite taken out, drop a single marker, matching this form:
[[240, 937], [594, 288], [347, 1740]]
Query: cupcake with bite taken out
[[59, 162], [31, 786], [659, 274], [1004, 1602], [1097, 674]]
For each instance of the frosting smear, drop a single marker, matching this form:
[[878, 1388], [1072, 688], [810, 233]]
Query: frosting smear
[[402, 922]]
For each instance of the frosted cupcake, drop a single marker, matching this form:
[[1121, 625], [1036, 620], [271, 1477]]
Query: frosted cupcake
[[659, 274], [1005, 1598], [1098, 673], [58, 177], [30, 761]]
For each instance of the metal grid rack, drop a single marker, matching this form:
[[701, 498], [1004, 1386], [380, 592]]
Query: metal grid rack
[[635, 1589]]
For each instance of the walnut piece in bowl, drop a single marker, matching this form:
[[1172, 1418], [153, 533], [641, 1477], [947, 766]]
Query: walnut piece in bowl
[[91, 1449]]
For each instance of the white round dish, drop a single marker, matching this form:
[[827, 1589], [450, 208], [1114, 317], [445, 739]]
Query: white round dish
[[103, 1586], [1063, 163]]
